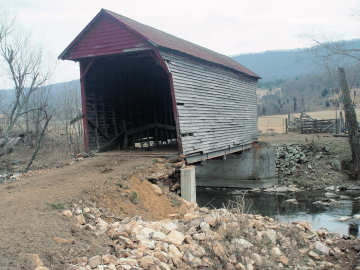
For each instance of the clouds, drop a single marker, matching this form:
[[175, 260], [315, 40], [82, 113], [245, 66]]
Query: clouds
[[228, 26]]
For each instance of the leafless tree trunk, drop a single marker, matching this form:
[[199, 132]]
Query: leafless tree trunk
[[70, 113], [38, 142], [351, 123], [24, 65]]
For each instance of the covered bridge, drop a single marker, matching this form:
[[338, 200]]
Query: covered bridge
[[141, 84]]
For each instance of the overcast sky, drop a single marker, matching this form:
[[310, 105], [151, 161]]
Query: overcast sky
[[228, 26]]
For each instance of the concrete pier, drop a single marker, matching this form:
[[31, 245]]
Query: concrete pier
[[188, 183], [251, 168]]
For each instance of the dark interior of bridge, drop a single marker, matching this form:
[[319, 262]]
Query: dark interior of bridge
[[128, 103]]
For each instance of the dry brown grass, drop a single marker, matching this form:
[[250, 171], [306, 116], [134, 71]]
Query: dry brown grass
[[276, 123]]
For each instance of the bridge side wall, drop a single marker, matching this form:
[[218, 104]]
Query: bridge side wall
[[216, 106]]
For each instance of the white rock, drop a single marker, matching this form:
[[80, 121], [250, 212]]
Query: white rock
[[101, 226], [314, 255], [276, 252], [249, 266], [111, 267], [142, 233], [323, 249], [150, 244], [67, 213], [159, 236], [344, 218], [169, 226], [156, 189], [175, 237], [164, 266], [293, 201], [330, 195], [197, 250], [190, 215], [204, 226], [174, 252], [257, 259], [241, 243], [162, 256], [331, 188], [108, 258], [199, 236], [128, 261], [282, 189], [270, 235], [146, 261]]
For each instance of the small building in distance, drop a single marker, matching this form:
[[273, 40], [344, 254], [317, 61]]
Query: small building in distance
[[140, 84]]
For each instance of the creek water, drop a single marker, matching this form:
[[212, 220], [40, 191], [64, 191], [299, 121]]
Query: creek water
[[274, 205]]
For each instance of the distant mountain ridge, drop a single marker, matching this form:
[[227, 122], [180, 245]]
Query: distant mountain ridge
[[288, 64], [273, 66], [57, 90]]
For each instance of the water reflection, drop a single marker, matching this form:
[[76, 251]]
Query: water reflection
[[276, 206]]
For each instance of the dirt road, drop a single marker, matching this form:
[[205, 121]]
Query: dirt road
[[30, 211]]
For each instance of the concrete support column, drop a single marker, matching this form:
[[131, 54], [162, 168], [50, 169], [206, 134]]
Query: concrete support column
[[188, 183]]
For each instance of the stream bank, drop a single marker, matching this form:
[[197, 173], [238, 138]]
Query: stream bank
[[338, 214]]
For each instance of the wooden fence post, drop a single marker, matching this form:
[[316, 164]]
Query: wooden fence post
[[341, 122]]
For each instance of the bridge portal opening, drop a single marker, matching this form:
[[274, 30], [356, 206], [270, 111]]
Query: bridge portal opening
[[128, 103]]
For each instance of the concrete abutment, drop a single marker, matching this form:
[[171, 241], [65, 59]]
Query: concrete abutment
[[252, 168]]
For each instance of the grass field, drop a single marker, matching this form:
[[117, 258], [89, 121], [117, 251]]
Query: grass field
[[276, 123]]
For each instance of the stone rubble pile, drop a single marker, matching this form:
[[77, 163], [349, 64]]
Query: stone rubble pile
[[205, 239], [289, 156], [167, 170]]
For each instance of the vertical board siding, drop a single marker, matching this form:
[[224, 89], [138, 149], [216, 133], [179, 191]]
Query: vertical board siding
[[216, 107], [106, 36]]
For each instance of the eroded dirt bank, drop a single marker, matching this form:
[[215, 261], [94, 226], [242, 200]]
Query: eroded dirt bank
[[30, 207]]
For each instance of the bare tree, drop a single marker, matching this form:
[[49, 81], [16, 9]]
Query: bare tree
[[40, 137], [70, 113], [336, 49], [334, 54], [351, 123], [24, 66]]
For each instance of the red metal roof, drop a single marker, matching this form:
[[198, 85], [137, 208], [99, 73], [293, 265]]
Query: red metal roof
[[162, 39]]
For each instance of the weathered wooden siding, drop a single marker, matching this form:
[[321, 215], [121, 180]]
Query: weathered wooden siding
[[216, 106]]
